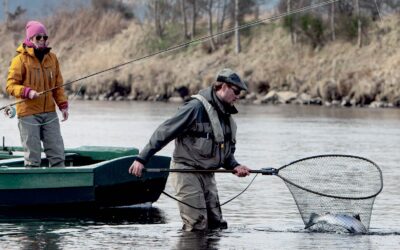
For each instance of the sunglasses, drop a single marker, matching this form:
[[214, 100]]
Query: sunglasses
[[39, 37], [236, 91]]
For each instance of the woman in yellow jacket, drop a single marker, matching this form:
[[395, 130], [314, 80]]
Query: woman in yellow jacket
[[33, 70]]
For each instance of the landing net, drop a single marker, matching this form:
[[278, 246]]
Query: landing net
[[335, 184]]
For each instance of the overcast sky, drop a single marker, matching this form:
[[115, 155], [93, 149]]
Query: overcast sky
[[43, 8], [40, 8]]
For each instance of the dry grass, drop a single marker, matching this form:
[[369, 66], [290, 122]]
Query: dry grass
[[268, 62]]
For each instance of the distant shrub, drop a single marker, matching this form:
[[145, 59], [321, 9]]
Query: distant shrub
[[172, 37], [309, 27], [105, 5], [348, 26], [312, 27], [288, 22]]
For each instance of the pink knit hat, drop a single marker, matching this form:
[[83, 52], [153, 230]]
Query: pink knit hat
[[33, 28]]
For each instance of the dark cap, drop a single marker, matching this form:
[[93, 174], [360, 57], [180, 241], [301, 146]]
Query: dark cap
[[229, 76]]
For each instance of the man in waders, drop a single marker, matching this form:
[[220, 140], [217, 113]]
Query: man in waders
[[205, 137]]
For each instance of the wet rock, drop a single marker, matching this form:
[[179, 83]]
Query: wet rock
[[335, 103], [345, 102], [286, 96], [175, 99], [271, 97], [257, 102], [251, 96], [131, 98], [316, 101], [327, 89], [303, 98], [375, 104], [87, 98], [102, 97], [118, 89]]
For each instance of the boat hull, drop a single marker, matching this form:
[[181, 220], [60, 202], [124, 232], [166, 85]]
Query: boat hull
[[104, 184]]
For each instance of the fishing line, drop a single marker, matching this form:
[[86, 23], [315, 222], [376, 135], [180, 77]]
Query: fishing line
[[179, 46], [224, 203]]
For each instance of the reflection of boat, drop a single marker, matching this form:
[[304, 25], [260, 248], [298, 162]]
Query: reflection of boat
[[94, 176], [137, 214]]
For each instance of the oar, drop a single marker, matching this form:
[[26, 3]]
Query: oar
[[263, 171]]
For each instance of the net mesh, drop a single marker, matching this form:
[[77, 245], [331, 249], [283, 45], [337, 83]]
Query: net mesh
[[334, 184]]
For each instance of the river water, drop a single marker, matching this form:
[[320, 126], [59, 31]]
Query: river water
[[264, 217]]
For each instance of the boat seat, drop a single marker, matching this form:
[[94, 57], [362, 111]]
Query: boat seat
[[69, 159]]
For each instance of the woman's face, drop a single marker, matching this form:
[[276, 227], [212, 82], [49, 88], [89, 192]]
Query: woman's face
[[40, 40]]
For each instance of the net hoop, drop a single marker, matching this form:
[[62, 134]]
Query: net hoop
[[329, 195]]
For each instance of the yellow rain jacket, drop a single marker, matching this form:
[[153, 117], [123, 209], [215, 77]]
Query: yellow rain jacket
[[26, 71]]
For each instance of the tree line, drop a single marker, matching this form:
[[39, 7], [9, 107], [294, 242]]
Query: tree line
[[346, 19]]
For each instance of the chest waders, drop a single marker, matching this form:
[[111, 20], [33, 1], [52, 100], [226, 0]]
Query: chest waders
[[197, 194]]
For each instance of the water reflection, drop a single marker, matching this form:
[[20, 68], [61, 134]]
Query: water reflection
[[46, 228], [38, 235], [333, 241], [115, 215], [198, 240]]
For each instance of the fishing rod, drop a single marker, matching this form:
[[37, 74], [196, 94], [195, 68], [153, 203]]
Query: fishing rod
[[179, 46]]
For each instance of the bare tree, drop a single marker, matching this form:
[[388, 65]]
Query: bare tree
[[257, 9], [11, 17], [159, 12], [359, 40], [291, 27], [183, 10], [332, 21], [5, 6], [194, 18], [237, 33], [221, 13], [157, 19], [209, 9]]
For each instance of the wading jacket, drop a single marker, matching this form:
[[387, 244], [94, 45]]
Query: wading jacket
[[26, 71], [195, 144]]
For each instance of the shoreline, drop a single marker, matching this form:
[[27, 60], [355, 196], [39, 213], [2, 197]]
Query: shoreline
[[251, 98]]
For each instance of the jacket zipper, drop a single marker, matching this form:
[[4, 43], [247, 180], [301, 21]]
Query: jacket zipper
[[42, 71]]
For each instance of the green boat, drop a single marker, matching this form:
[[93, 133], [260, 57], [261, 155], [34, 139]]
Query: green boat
[[95, 176]]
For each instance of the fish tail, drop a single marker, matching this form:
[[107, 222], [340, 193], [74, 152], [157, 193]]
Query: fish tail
[[311, 221]]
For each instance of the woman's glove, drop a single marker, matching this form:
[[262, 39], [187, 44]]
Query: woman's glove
[[65, 114]]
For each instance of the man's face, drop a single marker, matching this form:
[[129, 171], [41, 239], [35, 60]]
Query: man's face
[[229, 93]]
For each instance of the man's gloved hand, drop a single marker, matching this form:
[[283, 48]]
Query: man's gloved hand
[[241, 171]]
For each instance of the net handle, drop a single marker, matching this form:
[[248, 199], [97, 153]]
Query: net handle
[[274, 171], [263, 171]]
